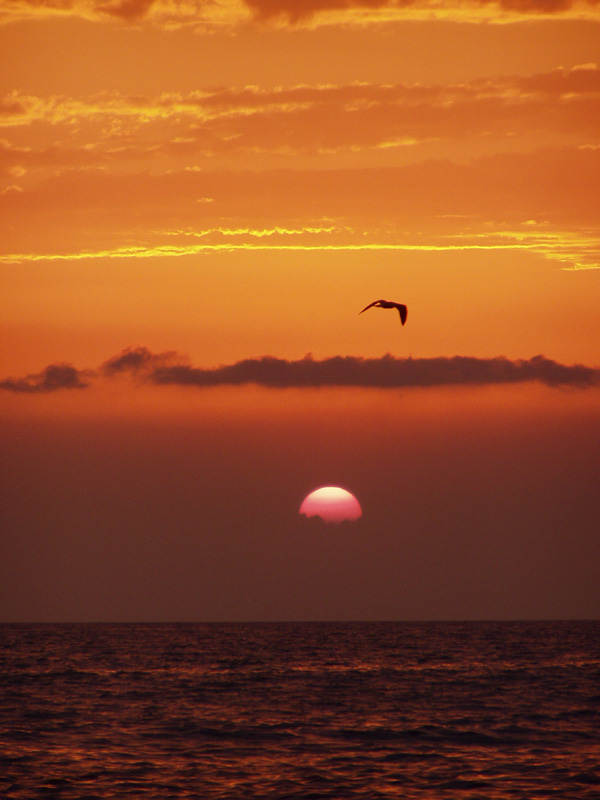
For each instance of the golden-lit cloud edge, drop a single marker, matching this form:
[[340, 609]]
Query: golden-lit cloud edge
[[132, 162], [208, 15], [388, 372], [223, 167], [299, 119], [571, 251]]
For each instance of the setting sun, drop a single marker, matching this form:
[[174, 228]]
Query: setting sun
[[332, 504], [196, 201]]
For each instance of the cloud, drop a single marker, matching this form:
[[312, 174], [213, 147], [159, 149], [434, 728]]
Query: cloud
[[198, 14], [388, 372], [51, 379], [551, 180], [139, 360], [203, 15], [489, 203], [297, 11], [314, 118], [128, 10]]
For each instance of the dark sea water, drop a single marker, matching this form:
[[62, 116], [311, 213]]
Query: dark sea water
[[307, 710]]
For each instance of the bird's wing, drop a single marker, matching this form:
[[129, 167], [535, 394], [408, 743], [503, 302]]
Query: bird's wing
[[374, 303], [403, 311]]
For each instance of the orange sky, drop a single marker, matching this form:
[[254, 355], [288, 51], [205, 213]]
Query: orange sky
[[161, 163], [232, 180]]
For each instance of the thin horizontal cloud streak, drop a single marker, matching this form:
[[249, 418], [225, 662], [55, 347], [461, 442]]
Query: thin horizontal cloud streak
[[298, 10], [161, 13], [315, 118], [545, 202], [388, 372], [556, 180], [200, 14], [229, 167]]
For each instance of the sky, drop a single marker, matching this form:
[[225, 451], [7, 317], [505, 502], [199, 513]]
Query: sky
[[197, 198]]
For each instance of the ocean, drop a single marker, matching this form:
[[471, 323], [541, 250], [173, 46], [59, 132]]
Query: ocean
[[480, 710]]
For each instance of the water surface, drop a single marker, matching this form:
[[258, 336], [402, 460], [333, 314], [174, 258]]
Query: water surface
[[301, 710]]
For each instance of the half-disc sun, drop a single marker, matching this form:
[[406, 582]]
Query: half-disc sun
[[332, 504]]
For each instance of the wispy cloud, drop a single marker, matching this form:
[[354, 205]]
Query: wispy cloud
[[572, 252], [215, 14], [388, 372], [198, 14], [309, 119], [240, 169], [543, 202], [373, 11]]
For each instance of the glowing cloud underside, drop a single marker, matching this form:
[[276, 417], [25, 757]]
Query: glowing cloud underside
[[332, 504]]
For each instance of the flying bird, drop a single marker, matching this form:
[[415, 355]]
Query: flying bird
[[402, 310]]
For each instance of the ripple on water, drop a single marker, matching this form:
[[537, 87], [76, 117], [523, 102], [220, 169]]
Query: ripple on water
[[367, 710]]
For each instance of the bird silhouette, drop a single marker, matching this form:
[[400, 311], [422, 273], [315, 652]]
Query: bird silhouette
[[402, 310]]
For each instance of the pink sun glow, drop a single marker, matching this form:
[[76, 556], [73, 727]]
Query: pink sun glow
[[332, 504]]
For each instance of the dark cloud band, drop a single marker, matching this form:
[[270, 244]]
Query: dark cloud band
[[387, 372]]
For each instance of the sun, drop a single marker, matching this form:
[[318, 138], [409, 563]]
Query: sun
[[332, 504]]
